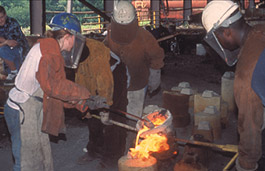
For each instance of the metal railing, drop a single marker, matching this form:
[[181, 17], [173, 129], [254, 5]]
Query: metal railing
[[98, 26], [146, 17], [95, 23]]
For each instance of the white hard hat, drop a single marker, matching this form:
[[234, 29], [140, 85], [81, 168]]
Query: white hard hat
[[217, 11], [124, 12]]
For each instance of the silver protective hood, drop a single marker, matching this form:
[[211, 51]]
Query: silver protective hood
[[230, 57], [71, 58]]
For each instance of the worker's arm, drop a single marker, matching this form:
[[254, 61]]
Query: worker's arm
[[153, 52], [51, 75], [2, 41], [11, 43]]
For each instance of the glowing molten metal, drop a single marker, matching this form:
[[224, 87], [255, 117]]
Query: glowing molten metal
[[152, 142]]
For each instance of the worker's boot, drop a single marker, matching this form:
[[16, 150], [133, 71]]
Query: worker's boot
[[108, 162], [87, 158]]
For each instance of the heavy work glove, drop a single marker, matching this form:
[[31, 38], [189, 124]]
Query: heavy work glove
[[104, 117], [154, 80], [96, 102]]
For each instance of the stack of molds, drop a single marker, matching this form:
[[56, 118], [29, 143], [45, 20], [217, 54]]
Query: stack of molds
[[212, 116], [207, 98], [177, 101]]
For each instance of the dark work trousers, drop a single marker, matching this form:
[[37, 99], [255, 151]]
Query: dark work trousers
[[109, 140]]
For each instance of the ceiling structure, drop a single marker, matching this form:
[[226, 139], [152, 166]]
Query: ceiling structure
[[38, 15]]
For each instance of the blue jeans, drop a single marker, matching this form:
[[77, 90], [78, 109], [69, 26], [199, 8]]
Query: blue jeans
[[14, 55], [13, 124]]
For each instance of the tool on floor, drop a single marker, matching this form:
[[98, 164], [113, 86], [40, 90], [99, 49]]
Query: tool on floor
[[227, 147], [146, 121]]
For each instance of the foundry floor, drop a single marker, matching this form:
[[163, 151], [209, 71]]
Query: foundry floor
[[200, 72]]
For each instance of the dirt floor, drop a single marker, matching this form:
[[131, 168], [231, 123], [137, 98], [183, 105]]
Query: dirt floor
[[202, 72]]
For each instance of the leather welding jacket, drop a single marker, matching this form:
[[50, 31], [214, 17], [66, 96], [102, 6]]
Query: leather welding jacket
[[94, 72], [250, 110], [139, 55], [58, 91]]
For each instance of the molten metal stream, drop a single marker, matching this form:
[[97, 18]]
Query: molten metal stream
[[152, 143]]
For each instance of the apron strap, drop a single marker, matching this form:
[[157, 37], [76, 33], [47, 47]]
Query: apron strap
[[40, 99]]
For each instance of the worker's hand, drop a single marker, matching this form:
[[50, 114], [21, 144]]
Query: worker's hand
[[96, 102], [87, 115], [154, 80], [11, 43], [104, 117]]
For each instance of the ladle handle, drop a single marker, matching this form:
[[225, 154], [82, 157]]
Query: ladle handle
[[117, 123], [125, 113]]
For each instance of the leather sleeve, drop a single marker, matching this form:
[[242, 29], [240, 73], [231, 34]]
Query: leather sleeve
[[153, 51], [52, 79]]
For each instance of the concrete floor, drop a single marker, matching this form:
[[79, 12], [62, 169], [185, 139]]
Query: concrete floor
[[200, 72]]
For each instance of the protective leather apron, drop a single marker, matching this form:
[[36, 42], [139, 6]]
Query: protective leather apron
[[35, 145]]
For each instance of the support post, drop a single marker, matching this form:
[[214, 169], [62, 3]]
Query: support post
[[155, 7], [187, 9], [69, 6], [37, 17]]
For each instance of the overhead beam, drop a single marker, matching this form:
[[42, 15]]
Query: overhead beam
[[96, 10]]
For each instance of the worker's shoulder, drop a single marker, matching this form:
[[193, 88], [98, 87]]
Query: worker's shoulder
[[141, 30], [145, 34], [93, 43], [97, 49], [259, 28]]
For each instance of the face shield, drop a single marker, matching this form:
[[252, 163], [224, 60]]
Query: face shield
[[230, 57], [71, 58]]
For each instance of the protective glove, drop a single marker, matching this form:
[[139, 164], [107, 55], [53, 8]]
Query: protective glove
[[154, 80], [96, 102], [104, 117]]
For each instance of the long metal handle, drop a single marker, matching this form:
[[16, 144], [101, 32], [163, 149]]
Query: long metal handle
[[125, 113], [118, 123], [227, 167]]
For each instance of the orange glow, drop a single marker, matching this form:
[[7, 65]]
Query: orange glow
[[152, 142], [160, 119]]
